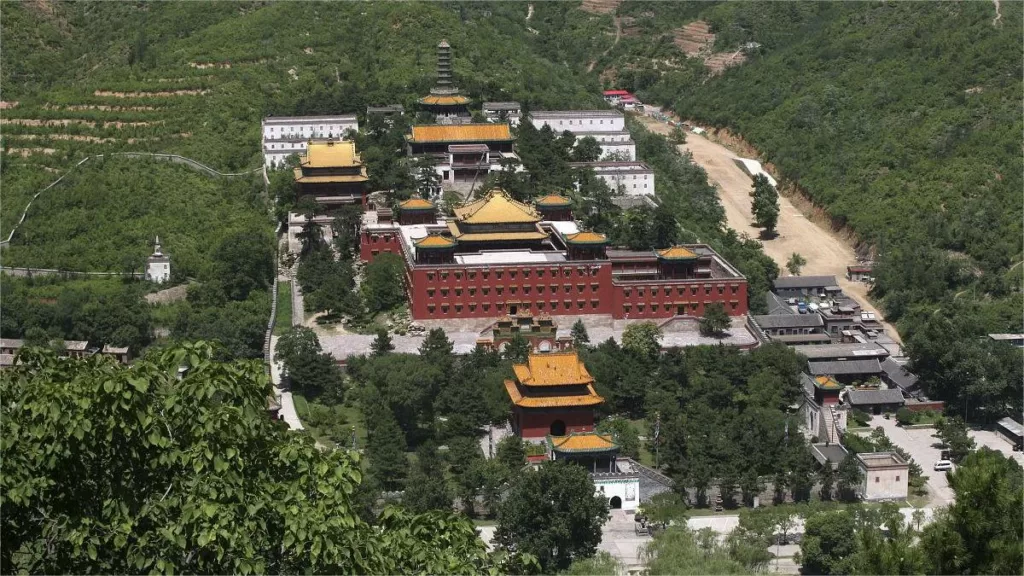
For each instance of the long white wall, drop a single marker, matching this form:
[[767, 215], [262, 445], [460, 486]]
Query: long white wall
[[580, 120], [285, 136]]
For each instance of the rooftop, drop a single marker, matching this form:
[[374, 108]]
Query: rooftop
[[496, 208], [588, 237], [832, 453], [435, 241], [509, 257], [501, 106], [11, 342], [331, 154], [797, 282], [676, 253], [552, 200], [582, 442], [826, 383], [840, 351], [416, 204], [460, 133], [553, 369], [589, 399], [544, 114], [898, 374], [342, 118], [876, 460], [788, 321], [872, 397], [444, 100], [108, 349], [843, 367]]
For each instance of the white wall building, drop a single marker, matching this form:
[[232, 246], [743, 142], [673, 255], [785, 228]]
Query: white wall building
[[158, 266], [285, 136], [608, 127], [510, 112], [631, 178], [886, 476]]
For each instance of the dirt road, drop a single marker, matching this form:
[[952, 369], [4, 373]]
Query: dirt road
[[825, 253]]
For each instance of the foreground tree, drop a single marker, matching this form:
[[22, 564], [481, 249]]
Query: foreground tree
[[765, 207], [139, 471], [829, 545], [552, 514], [795, 263], [642, 339], [383, 284], [715, 321], [953, 433], [310, 370]]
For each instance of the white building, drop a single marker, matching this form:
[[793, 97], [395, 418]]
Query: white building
[[608, 127], [886, 476], [630, 178], [614, 478], [285, 136], [158, 266], [510, 112]]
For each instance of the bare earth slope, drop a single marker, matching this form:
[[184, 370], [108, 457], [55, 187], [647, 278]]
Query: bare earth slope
[[825, 253]]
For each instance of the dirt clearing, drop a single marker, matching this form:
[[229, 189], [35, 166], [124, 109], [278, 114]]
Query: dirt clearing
[[824, 251], [155, 94]]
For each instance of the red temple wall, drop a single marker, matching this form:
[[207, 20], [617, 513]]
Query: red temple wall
[[534, 424], [375, 242], [667, 298]]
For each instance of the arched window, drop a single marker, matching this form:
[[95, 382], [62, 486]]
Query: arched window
[[558, 428]]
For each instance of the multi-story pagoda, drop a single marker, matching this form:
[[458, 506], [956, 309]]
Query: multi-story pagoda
[[552, 394], [332, 173], [444, 99]]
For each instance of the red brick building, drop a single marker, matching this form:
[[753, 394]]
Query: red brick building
[[552, 394], [498, 256]]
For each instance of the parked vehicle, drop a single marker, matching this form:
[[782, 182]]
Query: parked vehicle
[[943, 466], [802, 308]]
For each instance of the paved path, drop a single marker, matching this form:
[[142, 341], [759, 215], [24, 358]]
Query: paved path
[[288, 413], [492, 436], [826, 254]]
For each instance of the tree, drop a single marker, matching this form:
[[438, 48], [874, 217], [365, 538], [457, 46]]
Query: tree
[[383, 284], [155, 498], [518, 348], [580, 338], [849, 478], [678, 551], [587, 149], [382, 344], [601, 564], [715, 321], [677, 136], [981, 532], [385, 448], [428, 181], [765, 207], [436, 350], [511, 453], [297, 343], [243, 262], [664, 228], [624, 434], [426, 488], [829, 543], [552, 514], [795, 263], [642, 339], [827, 477], [953, 433]]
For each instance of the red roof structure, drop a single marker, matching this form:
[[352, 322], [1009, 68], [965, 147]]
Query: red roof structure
[[617, 93]]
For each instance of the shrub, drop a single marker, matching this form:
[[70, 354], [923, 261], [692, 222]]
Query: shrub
[[905, 417]]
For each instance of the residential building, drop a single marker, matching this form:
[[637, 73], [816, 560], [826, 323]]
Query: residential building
[[613, 97], [859, 272], [284, 136], [608, 127], [463, 153], [846, 371], [875, 401], [801, 286], [510, 112], [789, 324], [886, 476], [499, 256], [895, 375], [332, 173], [158, 265], [855, 351], [629, 178], [1011, 430], [1015, 340], [444, 100], [119, 353]]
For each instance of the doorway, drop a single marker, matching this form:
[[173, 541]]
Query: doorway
[[615, 503], [558, 428]]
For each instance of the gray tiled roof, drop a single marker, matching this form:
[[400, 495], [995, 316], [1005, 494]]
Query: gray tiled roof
[[843, 367], [805, 281], [869, 397], [898, 374], [788, 321], [837, 351]]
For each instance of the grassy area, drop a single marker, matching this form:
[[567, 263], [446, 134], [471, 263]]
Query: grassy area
[[489, 522], [918, 501], [284, 308]]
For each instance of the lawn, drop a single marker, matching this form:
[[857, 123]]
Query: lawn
[[284, 308]]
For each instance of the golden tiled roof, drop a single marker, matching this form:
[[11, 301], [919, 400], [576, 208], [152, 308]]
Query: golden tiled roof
[[330, 179], [453, 228], [587, 237], [496, 208], [676, 253], [589, 399], [416, 204], [582, 442], [331, 154], [435, 241], [553, 369], [827, 382], [552, 200], [444, 100], [460, 133]]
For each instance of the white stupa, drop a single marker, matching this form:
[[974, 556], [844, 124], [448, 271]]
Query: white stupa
[[158, 266]]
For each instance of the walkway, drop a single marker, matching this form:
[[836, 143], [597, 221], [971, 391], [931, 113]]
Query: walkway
[[288, 413]]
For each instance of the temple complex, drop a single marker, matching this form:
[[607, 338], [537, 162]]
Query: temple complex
[[463, 153], [444, 99], [499, 256], [332, 173]]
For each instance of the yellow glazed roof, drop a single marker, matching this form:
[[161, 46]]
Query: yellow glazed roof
[[435, 241], [676, 253], [827, 382], [416, 204], [552, 200], [330, 178], [589, 399], [587, 238], [582, 442], [554, 369], [445, 100], [496, 208], [494, 236], [460, 133], [330, 154]]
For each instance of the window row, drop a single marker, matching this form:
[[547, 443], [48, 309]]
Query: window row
[[679, 307], [513, 274], [680, 290], [499, 290], [552, 305]]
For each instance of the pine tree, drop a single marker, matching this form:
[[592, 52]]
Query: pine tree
[[518, 348], [715, 320], [426, 489], [580, 338], [765, 207], [386, 448], [382, 344]]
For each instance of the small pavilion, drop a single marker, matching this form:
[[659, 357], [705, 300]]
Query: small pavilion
[[552, 395]]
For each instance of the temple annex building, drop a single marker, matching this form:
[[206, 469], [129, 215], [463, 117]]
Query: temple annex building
[[499, 256]]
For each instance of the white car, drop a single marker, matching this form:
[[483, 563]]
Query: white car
[[943, 465]]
